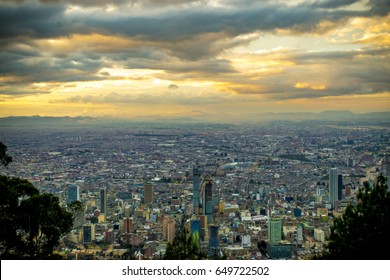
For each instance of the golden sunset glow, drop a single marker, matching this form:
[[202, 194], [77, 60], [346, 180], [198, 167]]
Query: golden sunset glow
[[137, 58], [307, 85]]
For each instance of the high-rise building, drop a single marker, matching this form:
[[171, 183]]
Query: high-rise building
[[169, 229], [195, 231], [207, 199], [213, 236], [148, 193], [348, 191], [250, 185], [274, 230], [88, 233], [203, 226], [221, 206], [195, 189], [333, 187], [103, 202], [195, 226], [319, 194], [340, 187], [319, 235], [73, 193], [127, 225], [297, 212], [109, 236], [300, 233]]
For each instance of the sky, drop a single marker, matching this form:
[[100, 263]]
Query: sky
[[225, 59]]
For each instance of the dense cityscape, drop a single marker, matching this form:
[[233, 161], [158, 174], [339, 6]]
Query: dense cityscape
[[256, 191]]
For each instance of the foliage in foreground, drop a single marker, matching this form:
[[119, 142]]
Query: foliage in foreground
[[183, 248], [363, 231], [31, 223], [5, 158]]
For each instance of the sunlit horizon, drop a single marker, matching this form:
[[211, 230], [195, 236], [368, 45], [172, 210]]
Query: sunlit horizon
[[228, 59]]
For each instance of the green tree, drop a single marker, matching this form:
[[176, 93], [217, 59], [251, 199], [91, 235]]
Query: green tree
[[363, 230], [31, 223], [5, 159], [183, 248], [76, 208]]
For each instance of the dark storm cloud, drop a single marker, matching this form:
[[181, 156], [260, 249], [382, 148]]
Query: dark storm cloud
[[43, 69], [188, 33], [379, 7], [161, 3], [86, 2], [339, 56], [32, 21], [45, 21], [75, 2], [331, 4], [179, 25], [189, 69], [102, 3], [180, 39]]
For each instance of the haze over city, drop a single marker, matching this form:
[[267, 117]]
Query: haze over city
[[226, 59]]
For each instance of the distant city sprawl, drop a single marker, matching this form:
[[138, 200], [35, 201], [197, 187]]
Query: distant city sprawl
[[200, 191]]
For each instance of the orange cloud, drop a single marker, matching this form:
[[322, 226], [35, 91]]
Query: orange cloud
[[304, 85]]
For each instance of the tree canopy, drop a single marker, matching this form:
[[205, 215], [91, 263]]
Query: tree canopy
[[183, 248], [31, 223], [5, 159], [363, 230]]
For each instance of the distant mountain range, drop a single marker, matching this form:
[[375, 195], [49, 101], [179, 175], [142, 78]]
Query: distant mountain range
[[194, 118], [326, 116], [46, 121]]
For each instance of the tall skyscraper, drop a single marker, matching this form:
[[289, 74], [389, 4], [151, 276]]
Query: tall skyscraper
[[148, 193], [88, 233], [195, 189], [103, 203], [340, 187], [300, 233], [169, 229], [207, 199], [73, 193], [213, 237], [333, 187], [127, 225], [274, 230], [318, 196], [203, 226]]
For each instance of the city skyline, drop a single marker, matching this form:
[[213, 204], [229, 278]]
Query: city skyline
[[221, 59], [226, 184]]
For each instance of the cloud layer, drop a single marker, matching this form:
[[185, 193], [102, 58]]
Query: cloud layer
[[175, 52]]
